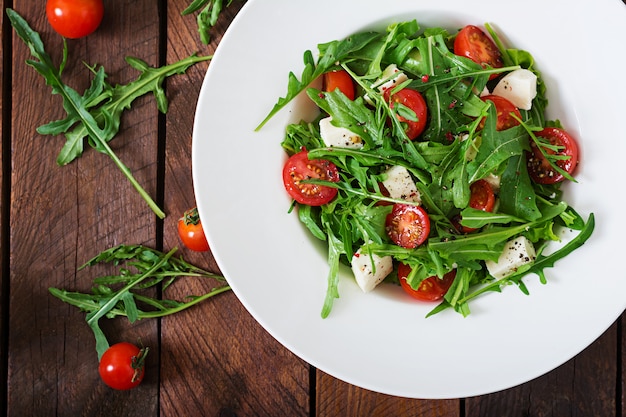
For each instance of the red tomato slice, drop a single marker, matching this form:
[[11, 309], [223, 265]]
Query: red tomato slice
[[539, 168], [407, 225], [339, 79], [431, 289], [299, 167], [471, 42], [414, 101], [504, 108]]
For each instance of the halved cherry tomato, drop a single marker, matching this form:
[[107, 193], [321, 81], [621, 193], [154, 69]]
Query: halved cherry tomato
[[482, 198], [191, 232], [122, 366], [74, 18], [299, 167], [504, 108], [473, 43], [430, 289], [414, 101], [339, 79], [539, 168], [407, 225]]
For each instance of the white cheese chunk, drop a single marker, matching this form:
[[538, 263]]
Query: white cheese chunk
[[400, 184], [393, 76], [494, 181], [339, 136], [517, 252], [519, 87], [370, 270]]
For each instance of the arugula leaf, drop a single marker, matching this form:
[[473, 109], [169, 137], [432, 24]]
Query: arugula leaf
[[96, 114], [141, 268], [517, 196], [207, 18], [332, 52]]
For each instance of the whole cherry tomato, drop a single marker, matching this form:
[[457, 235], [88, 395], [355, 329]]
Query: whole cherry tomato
[[74, 18], [191, 232], [122, 366]]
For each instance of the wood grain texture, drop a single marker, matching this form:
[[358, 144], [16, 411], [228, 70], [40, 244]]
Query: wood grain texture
[[65, 215], [337, 398], [216, 360]]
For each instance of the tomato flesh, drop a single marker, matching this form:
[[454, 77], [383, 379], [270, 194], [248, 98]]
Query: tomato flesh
[[414, 101], [471, 42], [191, 232], [482, 198], [74, 18], [298, 168], [430, 289], [407, 225], [122, 366], [504, 108], [539, 168], [339, 79]]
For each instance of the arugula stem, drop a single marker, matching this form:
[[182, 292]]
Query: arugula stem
[[126, 171]]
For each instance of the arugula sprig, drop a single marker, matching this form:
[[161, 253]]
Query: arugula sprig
[[96, 114], [140, 268], [207, 18]]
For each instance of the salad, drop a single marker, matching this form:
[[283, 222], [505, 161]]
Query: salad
[[431, 165]]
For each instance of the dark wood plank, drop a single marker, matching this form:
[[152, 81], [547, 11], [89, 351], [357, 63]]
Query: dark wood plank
[[583, 386], [61, 217], [216, 359], [4, 204], [337, 398]]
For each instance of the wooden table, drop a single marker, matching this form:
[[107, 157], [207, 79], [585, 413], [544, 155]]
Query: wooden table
[[214, 359]]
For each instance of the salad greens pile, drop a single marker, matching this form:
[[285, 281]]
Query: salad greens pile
[[452, 153]]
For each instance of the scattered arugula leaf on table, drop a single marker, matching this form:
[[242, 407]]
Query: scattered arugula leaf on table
[[140, 268], [207, 18], [96, 115]]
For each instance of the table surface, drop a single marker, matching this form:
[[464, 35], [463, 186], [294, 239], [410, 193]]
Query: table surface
[[213, 359]]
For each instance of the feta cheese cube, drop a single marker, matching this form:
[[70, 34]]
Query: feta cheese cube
[[517, 252], [393, 76], [400, 184], [519, 87], [363, 266], [339, 136]]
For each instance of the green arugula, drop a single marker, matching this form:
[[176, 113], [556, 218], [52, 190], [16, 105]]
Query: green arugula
[[140, 268], [96, 114], [460, 146], [207, 18]]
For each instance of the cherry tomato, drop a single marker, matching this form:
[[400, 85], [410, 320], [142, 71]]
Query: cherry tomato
[[504, 108], [430, 289], [122, 366], [414, 101], [191, 232], [74, 18], [539, 168], [471, 42], [407, 225], [339, 79], [299, 167], [482, 198]]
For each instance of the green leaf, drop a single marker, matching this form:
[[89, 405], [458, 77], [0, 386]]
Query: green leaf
[[96, 114], [517, 196]]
